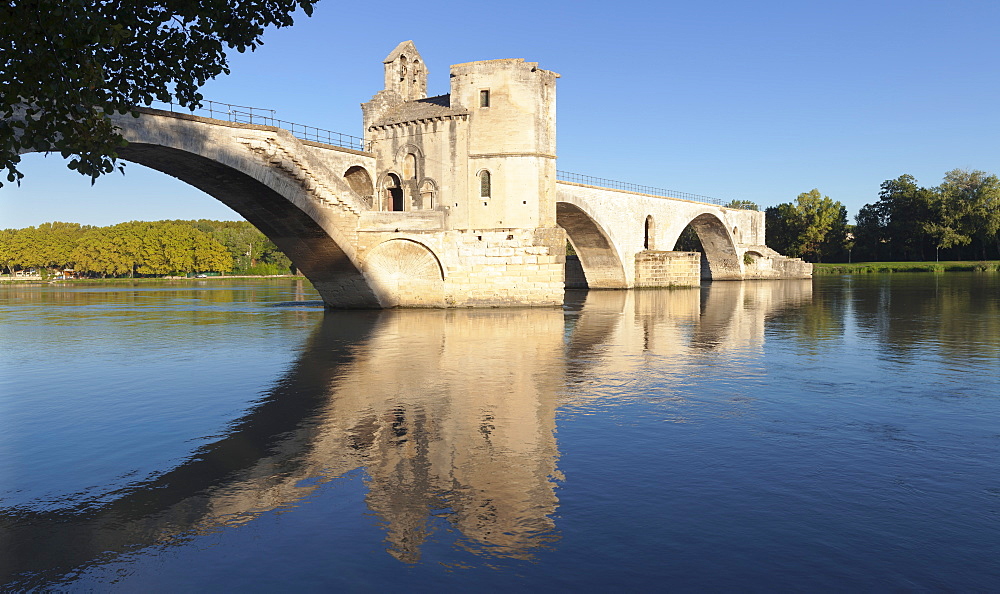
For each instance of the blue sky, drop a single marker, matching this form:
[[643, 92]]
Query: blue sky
[[753, 100]]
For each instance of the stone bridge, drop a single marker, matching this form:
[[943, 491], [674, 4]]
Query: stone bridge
[[454, 202], [625, 240]]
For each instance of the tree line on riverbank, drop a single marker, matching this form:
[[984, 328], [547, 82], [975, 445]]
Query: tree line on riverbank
[[956, 220], [141, 248]]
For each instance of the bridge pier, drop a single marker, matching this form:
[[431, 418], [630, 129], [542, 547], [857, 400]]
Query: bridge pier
[[465, 268]]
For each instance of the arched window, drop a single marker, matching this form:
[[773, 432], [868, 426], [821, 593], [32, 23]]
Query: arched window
[[410, 166], [485, 184], [427, 194], [648, 241]]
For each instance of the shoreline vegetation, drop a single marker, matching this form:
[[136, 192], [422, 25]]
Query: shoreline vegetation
[[140, 249], [6, 278], [819, 269], [958, 220], [890, 267]]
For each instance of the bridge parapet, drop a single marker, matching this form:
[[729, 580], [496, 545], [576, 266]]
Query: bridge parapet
[[611, 184], [260, 116]]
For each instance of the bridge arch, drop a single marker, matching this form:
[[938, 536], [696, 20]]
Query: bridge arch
[[245, 168], [720, 260], [306, 243], [601, 263], [404, 270]]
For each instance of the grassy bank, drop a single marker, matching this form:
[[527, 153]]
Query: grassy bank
[[877, 267]]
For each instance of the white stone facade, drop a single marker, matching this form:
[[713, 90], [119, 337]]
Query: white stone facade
[[469, 176]]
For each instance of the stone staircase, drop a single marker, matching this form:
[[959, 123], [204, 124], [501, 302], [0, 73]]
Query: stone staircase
[[775, 265], [295, 164], [764, 251]]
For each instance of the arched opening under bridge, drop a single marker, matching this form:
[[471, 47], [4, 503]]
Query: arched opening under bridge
[[293, 231], [601, 266], [225, 162], [707, 234]]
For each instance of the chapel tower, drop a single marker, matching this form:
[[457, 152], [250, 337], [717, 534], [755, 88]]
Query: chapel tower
[[511, 142], [465, 183], [405, 72], [485, 153]]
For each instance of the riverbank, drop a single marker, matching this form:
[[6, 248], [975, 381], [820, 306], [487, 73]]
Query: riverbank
[[881, 267], [160, 279]]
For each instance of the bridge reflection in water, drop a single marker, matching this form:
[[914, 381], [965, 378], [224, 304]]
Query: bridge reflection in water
[[450, 413]]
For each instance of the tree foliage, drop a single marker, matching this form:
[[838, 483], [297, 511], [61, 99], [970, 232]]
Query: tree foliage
[[139, 248], [813, 228], [960, 217], [66, 65], [742, 204], [957, 220]]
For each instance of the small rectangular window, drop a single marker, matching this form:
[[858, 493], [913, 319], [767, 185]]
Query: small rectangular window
[[484, 98]]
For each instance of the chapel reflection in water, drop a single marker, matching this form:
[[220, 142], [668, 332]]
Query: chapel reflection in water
[[455, 410], [451, 413]]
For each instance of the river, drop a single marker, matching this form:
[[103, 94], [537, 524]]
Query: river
[[839, 434]]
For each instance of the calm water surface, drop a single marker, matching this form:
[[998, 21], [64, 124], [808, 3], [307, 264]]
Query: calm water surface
[[835, 434]]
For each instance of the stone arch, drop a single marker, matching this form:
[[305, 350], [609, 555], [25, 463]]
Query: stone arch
[[428, 192], [213, 159], [410, 166], [361, 183], [392, 193], [402, 68], [410, 149], [601, 264], [719, 260], [225, 161], [405, 273], [485, 183], [408, 162], [649, 234], [415, 73]]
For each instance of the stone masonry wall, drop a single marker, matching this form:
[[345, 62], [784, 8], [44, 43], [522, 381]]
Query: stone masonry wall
[[777, 266], [465, 268], [667, 269], [506, 267]]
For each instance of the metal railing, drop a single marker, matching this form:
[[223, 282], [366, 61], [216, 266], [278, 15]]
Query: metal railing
[[611, 184], [243, 114]]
